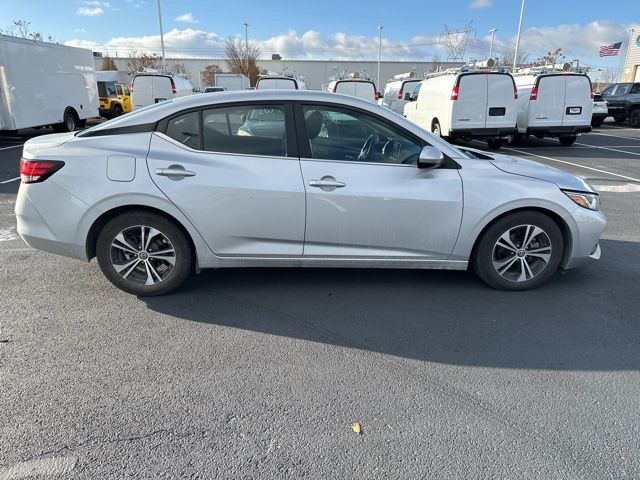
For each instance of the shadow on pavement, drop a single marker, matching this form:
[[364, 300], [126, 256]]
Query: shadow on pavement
[[583, 319]]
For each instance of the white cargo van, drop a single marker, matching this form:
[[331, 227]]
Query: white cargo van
[[364, 89], [272, 82], [45, 84], [554, 104], [150, 88], [398, 91], [466, 104]]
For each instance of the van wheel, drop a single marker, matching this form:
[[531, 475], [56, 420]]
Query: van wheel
[[597, 122], [144, 253], [634, 119], [568, 140], [514, 139], [519, 251], [435, 129], [495, 143], [69, 123]]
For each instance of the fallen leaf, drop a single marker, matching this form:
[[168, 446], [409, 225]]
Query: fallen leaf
[[356, 427]]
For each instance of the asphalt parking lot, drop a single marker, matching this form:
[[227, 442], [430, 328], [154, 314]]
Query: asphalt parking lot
[[259, 373]]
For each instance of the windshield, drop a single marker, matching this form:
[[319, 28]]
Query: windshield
[[127, 116]]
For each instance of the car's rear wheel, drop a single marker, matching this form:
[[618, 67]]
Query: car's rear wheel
[[519, 251], [597, 122], [634, 119], [568, 140], [117, 110], [144, 253]]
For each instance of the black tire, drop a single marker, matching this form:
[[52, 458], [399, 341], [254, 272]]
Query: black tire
[[634, 118], [69, 123], [495, 143], [117, 111], [568, 140], [483, 256], [597, 122], [619, 119], [82, 123], [435, 129], [514, 139], [170, 277]]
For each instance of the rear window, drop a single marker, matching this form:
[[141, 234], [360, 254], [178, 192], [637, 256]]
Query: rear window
[[277, 83]]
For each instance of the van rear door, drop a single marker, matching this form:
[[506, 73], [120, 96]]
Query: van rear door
[[546, 109], [161, 89], [578, 104], [501, 101], [469, 109]]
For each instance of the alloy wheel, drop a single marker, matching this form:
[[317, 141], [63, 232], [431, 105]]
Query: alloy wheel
[[142, 255], [522, 253]]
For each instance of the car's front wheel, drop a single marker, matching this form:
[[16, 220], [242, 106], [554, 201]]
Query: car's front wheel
[[520, 251], [144, 253]]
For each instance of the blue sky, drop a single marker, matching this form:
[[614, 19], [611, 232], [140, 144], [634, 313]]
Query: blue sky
[[328, 28]]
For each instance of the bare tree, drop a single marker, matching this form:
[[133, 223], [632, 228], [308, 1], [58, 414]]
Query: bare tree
[[138, 62], [21, 29], [208, 75], [551, 58], [507, 57], [108, 64], [242, 58]]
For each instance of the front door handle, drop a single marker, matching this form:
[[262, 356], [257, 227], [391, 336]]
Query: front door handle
[[175, 172], [327, 183]]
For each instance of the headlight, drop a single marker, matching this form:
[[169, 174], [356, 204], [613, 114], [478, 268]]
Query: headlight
[[590, 201]]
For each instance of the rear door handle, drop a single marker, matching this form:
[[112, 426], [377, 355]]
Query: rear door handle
[[174, 172], [327, 183]]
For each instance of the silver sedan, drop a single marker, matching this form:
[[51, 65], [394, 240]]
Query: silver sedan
[[295, 179]]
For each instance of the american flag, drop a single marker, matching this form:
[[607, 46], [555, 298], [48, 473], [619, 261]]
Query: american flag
[[610, 50]]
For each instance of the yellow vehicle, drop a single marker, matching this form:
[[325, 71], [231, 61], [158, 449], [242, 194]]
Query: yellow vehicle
[[115, 99]]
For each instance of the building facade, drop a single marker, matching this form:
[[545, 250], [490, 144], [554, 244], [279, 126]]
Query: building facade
[[316, 73], [631, 71]]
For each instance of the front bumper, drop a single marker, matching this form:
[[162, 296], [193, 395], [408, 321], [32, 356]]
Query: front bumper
[[585, 244]]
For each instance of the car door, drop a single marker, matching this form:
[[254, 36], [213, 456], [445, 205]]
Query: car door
[[377, 203], [616, 100], [469, 109], [578, 104], [239, 184], [546, 110]]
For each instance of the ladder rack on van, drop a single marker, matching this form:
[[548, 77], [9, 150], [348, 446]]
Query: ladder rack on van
[[557, 68]]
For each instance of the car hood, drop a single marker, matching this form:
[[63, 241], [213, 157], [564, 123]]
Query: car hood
[[529, 168]]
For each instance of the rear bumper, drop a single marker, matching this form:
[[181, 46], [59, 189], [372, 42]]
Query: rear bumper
[[46, 217], [482, 132], [557, 131]]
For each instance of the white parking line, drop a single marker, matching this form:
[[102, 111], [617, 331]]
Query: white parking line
[[12, 146], [574, 164], [608, 148], [614, 136], [10, 180]]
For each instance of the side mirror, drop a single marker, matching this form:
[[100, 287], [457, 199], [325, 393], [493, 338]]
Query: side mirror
[[408, 96], [430, 157]]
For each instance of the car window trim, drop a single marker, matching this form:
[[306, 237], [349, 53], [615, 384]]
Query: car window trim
[[290, 131], [305, 150]]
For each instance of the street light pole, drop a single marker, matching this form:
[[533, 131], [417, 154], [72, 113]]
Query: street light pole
[[493, 36], [161, 35], [246, 44], [515, 53], [379, 54]]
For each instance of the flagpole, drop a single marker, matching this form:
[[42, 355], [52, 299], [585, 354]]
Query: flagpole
[[618, 72]]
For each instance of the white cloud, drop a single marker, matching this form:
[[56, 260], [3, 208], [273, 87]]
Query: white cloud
[[481, 4], [89, 11], [80, 30], [96, 3], [186, 18]]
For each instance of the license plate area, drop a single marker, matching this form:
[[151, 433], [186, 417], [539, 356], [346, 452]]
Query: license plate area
[[574, 110], [497, 111]]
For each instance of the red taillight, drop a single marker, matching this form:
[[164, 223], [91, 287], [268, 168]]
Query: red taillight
[[131, 88], [173, 88], [400, 93], [534, 94], [455, 93], [34, 171], [515, 91], [377, 96], [591, 90]]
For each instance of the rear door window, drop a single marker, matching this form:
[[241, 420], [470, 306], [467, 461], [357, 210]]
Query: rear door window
[[246, 129], [185, 129]]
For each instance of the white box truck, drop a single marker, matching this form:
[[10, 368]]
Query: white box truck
[[44, 84], [466, 104], [231, 81], [553, 103]]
